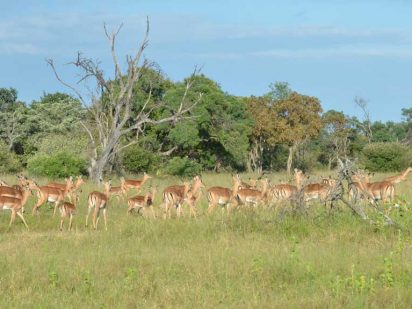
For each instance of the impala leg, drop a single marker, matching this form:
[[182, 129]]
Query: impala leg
[[12, 217], [22, 219], [105, 218], [70, 222], [63, 215], [38, 204], [88, 214], [153, 212], [210, 207], [96, 215]]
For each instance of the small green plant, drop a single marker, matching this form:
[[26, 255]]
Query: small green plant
[[53, 278], [87, 282], [387, 277]]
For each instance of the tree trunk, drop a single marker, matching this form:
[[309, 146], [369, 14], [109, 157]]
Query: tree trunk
[[290, 158]]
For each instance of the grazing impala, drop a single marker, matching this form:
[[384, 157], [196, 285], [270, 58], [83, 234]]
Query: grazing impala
[[141, 202], [98, 201], [46, 194], [15, 205], [253, 196], [128, 184], [68, 209], [222, 196]]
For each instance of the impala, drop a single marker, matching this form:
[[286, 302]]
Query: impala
[[176, 195], [282, 192], [68, 209], [64, 187], [98, 201], [253, 196], [399, 178], [128, 184], [15, 205], [79, 181], [380, 190], [222, 196], [119, 192], [141, 202], [46, 194], [193, 195], [315, 190]]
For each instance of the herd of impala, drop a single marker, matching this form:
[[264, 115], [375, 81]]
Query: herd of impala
[[65, 196]]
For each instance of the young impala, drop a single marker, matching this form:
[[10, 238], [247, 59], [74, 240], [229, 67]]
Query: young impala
[[128, 184], [15, 205], [98, 201], [68, 209], [222, 196], [142, 202]]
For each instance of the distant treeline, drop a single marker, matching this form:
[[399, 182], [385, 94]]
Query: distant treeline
[[279, 130]]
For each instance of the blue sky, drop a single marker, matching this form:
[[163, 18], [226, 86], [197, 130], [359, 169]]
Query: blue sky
[[334, 50]]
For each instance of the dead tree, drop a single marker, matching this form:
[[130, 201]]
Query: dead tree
[[112, 106]]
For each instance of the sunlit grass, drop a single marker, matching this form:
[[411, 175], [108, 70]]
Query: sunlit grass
[[252, 259]]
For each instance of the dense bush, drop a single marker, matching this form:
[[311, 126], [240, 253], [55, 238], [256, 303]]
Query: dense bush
[[386, 157], [58, 165], [183, 167], [137, 159], [9, 162]]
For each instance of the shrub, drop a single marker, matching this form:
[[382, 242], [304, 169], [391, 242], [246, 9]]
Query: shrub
[[386, 157], [58, 165], [9, 161], [183, 167], [137, 159]]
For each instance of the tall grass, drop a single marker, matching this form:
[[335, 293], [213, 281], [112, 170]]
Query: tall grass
[[251, 259]]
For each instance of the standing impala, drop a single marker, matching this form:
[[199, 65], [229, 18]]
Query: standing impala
[[222, 196], [380, 190], [312, 191], [128, 184], [15, 205], [46, 194], [253, 196], [66, 188], [140, 202], [99, 201], [399, 178], [68, 209], [177, 194], [193, 195]]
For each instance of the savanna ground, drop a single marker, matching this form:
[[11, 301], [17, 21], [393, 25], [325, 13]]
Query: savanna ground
[[254, 258]]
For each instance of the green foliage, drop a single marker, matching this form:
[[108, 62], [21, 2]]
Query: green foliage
[[137, 159], [386, 157], [9, 162], [182, 167], [55, 113], [57, 165]]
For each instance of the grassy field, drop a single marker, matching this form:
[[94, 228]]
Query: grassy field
[[252, 259]]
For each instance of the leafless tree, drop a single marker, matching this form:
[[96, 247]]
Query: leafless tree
[[366, 125], [112, 103]]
